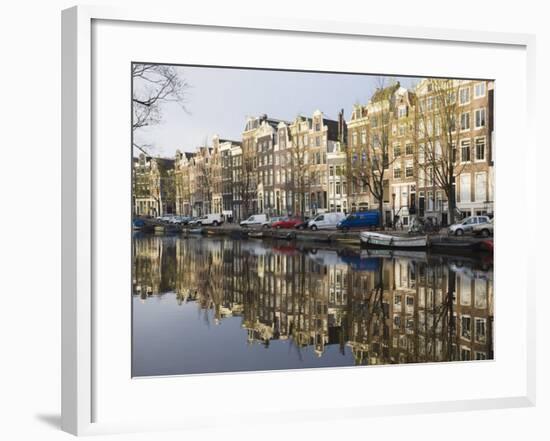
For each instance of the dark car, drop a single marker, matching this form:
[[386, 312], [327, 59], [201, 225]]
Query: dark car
[[302, 225]]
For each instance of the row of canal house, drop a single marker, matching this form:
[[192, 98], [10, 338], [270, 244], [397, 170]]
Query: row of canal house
[[434, 141]]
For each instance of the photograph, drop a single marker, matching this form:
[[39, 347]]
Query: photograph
[[286, 219]]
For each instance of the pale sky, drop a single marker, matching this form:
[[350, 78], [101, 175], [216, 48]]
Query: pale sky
[[220, 99]]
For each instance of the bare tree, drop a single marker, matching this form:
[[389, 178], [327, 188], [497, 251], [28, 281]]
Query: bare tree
[[300, 179], [437, 138], [154, 85], [369, 167]]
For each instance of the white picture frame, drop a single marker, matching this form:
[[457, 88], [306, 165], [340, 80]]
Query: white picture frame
[[80, 202]]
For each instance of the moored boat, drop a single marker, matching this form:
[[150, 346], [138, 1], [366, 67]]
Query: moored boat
[[377, 240], [197, 230], [451, 245]]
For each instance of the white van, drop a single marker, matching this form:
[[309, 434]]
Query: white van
[[256, 220], [209, 219], [325, 221]]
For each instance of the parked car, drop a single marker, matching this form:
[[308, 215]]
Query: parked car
[[467, 225], [484, 229], [274, 219], [138, 224], [208, 219], [360, 219], [256, 220], [179, 220], [325, 221], [165, 217], [287, 222], [303, 224]]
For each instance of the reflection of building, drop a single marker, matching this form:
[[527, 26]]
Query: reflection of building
[[154, 270], [153, 186], [383, 310]]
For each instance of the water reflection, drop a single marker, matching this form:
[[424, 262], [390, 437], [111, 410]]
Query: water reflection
[[217, 305]]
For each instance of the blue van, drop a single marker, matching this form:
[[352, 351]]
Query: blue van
[[360, 219]]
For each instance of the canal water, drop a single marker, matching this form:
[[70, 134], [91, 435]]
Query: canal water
[[203, 305]]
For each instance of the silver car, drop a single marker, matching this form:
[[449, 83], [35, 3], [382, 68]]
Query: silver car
[[467, 225], [484, 229]]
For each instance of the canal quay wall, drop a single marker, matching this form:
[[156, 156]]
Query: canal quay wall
[[330, 237]]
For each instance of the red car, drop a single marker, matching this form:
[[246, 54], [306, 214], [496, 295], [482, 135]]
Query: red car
[[290, 222]]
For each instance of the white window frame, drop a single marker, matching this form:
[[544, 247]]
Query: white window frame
[[476, 139], [484, 89], [460, 95], [460, 152], [468, 119], [483, 173], [469, 199], [484, 110]]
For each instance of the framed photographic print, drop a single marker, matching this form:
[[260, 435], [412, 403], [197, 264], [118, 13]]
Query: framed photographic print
[[300, 211]]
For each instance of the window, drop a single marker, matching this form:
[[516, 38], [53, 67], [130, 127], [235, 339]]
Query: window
[[338, 188], [480, 149], [402, 112], [465, 188], [363, 136], [480, 330], [464, 95], [452, 97], [396, 150], [465, 327], [464, 353], [465, 150], [480, 294], [465, 121], [397, 321], [331, 170], [481, 356], [397, 172], [481, 187], [409, 169], [397, 299], [430, 176], [438, 151], [421, 177], [421, 154], [429, 103], [480, 118], [479, 90], [317, 141], [409, 148], [354, 139], [318, 126]]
